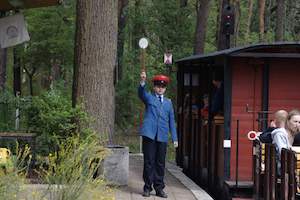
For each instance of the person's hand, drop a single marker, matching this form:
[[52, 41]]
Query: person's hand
[[143, 76], [175, 144]]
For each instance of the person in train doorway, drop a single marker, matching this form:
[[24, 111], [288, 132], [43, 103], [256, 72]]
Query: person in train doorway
[[217, 104], [284, 137], [158, 122]]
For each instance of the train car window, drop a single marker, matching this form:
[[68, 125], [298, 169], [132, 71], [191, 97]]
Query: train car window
[[186, 79], [195, 79]]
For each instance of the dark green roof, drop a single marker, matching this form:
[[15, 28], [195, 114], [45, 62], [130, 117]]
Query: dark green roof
[[238, 50]]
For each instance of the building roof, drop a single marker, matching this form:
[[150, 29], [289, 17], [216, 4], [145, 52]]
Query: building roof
[[263, 50], [6, 5]]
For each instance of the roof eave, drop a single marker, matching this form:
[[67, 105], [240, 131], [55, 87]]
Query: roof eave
[[6, 6]]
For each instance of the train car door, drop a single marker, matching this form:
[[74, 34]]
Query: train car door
[[247, 87]]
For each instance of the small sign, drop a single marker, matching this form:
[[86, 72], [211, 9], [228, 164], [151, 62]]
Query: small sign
[[168, 59], [13, 30], [252, 135], [143, 43], [227, 143]]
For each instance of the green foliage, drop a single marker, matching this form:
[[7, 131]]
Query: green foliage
[[168, 27], [51, 31], [51, 45], [70, 172], [125, 108], [8, 104], [52, 117], [12, 181]]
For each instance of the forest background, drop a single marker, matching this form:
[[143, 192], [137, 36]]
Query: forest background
[[45, 64]]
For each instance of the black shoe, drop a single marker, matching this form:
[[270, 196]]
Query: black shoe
[[146, 193], [161, 193]]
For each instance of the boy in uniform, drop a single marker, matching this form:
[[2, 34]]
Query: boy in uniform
[[158, 122]]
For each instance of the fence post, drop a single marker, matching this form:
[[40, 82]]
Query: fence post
[[256, 168], [292, 175], [273, 168], [267, 172], [284, 175]]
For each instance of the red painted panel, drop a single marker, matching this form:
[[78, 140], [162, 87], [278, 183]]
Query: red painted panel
[[284, 85], [246, 89]]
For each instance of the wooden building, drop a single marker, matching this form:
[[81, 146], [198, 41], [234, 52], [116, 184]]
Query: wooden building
[[259, 79], [6, 5]]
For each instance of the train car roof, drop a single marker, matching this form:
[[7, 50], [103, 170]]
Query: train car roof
[[7, 5], [263, 50]]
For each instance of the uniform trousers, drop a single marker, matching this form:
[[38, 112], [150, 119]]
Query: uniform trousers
[[154, 164]]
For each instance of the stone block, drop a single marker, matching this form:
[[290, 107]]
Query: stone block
[[116, 165]]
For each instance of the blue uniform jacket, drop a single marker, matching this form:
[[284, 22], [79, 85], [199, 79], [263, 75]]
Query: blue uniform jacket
[[158, 118]]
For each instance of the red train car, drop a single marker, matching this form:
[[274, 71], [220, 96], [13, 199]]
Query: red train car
[[259, 79]]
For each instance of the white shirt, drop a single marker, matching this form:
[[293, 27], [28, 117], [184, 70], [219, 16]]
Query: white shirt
[[161, 96]]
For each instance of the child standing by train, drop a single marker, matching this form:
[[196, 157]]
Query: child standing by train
[[158, 121]]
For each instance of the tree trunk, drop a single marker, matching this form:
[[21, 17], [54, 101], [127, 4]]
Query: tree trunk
[[138, 27], [122, 4], [3, 62], [201, 23], [262, 4], [219, 17], [17, 73], [30, 84], [249, 19], [279, 35], [136, 31], [237, 21], [30, 75], [296, 28], [95, 61], [183, 3], [269, 15], [222, 38], [292, 17], [55, 70]]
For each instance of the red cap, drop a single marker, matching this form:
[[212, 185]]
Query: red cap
[[160, 79]]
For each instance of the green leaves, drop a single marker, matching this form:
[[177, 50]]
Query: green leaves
[[52, 117]]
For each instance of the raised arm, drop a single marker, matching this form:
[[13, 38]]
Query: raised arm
[[143, 94]]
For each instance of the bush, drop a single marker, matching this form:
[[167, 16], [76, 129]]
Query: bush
[[68, 153], [52, 117], [72, 169], [12, 181], [8, 105]]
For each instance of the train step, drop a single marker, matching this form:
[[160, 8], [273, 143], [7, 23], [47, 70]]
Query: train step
[[240, 189], [242, 199]]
